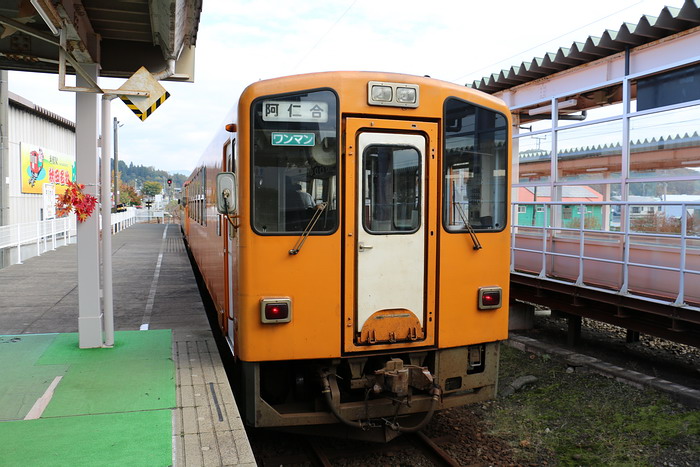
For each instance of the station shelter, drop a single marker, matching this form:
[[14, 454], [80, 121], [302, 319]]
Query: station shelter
[[606, 166], [141, 41]]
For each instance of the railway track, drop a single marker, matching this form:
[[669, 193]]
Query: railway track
[[432, 449], [472, 436], [418, 448]]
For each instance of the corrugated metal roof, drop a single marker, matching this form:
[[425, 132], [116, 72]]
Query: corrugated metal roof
[[670, 142], [24, 104], [648, 29]]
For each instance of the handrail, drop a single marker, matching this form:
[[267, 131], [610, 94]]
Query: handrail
[[550, 225], [49, 234], [44, 234]]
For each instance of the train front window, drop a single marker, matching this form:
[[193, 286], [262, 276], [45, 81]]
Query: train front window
[[474, 170], [391, 189], [295, 162]]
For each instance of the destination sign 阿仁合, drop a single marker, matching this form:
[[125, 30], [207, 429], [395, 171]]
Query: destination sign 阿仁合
[[295, 111]]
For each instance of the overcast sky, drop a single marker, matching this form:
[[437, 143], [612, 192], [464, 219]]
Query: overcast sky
[[242, 41]]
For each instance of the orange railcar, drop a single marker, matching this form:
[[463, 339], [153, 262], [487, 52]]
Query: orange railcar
[[356, 247]]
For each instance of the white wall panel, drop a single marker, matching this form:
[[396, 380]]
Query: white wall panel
[[28, 127]]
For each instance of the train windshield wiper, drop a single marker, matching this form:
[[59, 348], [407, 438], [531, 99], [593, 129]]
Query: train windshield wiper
[[309, 227], [472, 234]]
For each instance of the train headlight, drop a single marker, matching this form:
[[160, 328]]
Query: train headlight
[[275, 310], [393, 94], [382, 93], [406, 95], [490, 298]]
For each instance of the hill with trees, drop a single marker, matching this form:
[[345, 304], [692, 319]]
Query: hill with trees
[[137, 175]]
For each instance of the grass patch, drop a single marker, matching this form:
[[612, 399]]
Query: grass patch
[[580, 418]]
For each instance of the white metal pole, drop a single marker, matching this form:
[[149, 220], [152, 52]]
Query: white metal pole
[[19, 243], [582, 243], [116, 162], [106, 193], [90, 316], [684, 244]]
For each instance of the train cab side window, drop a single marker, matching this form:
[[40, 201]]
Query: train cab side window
[[295, 162], [475, 168]]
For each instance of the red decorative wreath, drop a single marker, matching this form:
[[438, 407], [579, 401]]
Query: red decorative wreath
[[74, 199]]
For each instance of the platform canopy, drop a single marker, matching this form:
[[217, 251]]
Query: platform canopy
[[118, 35], [669, 21]]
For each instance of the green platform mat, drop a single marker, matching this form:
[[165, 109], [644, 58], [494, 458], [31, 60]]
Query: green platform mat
[[137, 374], [111, 407], [123, 439], [21, 381]]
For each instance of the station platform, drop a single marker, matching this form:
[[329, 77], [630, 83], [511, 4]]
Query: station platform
[[159, 397]]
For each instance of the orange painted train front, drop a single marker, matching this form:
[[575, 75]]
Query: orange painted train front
[[356, 248]]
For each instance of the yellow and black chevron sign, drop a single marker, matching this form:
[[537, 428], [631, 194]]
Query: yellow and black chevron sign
[[143, 114]]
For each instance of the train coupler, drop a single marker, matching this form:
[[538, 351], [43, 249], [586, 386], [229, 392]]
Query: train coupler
[[397, 378]]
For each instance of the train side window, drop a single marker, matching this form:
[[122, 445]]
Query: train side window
[[204, 196], [295, 162], [475, 168]]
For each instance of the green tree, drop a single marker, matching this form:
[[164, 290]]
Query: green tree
[[151, 188], [128, 195]]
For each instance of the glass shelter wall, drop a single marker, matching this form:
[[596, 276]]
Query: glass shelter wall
[[609, 193]]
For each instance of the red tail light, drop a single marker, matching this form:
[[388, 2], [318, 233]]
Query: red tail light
[[490, 298], [276, 310]]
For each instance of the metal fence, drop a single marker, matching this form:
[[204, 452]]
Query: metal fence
[[649, 250], [153, 216], [22, 241], [19, 242]]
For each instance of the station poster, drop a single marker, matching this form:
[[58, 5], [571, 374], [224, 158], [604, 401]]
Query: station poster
[[41, 165]]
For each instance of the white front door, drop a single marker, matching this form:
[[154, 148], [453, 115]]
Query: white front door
[[391, 227]]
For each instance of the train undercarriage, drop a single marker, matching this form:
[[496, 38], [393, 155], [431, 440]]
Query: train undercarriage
[[372, 397]]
